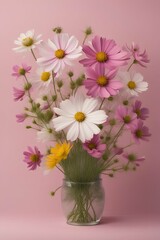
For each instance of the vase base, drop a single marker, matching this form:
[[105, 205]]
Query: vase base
[[83, 224]]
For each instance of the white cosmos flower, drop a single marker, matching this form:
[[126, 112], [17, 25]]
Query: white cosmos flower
[[27, 41], [44, 81], [133, 83], [46, 134], [80, 116], [59, 52]]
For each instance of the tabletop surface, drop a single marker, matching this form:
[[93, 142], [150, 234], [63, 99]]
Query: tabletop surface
[[110, 228]]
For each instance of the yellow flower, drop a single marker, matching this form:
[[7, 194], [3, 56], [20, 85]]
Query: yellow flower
[[57, 153]]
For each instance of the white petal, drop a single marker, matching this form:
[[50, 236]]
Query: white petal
[[78, 101], [56, 41], [89, 105], [125, 76], [20, 49], [61, 122], [73, 56], [97, 117], [73, 132], [93, 127], [81, 133], [68, 106], [22, 36], [142, 86], [30, 33], [63, 40], [52, 45], [72, 44], [88, 133], [63, 113], [137, 77]]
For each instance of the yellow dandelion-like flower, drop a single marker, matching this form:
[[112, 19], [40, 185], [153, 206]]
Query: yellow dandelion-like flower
[[57, 153]]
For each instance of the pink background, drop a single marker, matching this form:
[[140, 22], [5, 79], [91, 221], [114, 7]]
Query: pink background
[[26, 194]]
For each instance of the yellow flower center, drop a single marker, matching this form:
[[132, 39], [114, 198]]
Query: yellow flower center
[[79, 116], [102, 81], [27, 42], [45, 76], [22, 71], [127, 119], [139, 133], [131, 85], [34, 158], [91, 146], [60, 53], [138, 112], [101, 57]]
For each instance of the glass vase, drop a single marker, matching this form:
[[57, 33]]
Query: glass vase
[[83, 202]]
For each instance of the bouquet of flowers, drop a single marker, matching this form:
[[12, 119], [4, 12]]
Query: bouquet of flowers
[[82, 118]]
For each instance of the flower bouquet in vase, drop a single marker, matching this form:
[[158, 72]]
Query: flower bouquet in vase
[[82, 118]]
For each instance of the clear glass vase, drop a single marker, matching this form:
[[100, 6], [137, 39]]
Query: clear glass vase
[[83, 202]]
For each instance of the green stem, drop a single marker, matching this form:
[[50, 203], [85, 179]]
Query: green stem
[[29, 95], [61, 94], [59, 169], [116, 136], [130, 66], [85, 38], [102, 103], [54, 85], [33, 54]]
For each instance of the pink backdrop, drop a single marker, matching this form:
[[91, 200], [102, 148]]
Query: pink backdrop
[[24, 193]]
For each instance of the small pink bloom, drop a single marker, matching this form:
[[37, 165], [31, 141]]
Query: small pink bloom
[[33, 158], [21, 117], [139, 57], [126, 116], [94, 147], [117, 150], [101, 83], [140, 132], [104, 52], [142, 113], [131, 157], [19, 71], [18, 94]]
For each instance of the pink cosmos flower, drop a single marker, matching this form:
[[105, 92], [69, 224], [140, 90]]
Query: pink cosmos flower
[[104, 52], [59, 52], [32, 158], [19, 71], [101, 83], [142, 113], [139, 57], [126, 116], [94, 147], [21, 117], [140, 132], [131, 157], [18, 94]]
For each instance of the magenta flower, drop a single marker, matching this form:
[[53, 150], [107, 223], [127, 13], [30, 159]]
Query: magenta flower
[[21, 117], [104, 52], [94, 147], [140, 132], [19, 71], [126, 116], [33, 158], [101, 83], [18, 94], [139, 57], [142, 113], [131, 157]]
